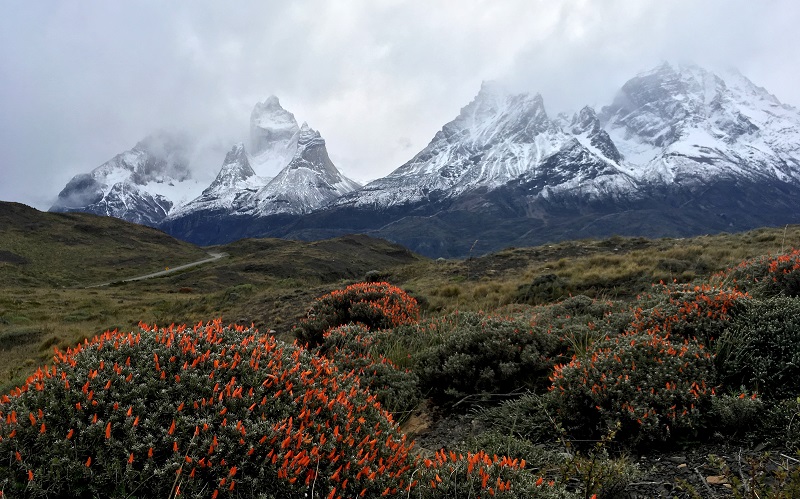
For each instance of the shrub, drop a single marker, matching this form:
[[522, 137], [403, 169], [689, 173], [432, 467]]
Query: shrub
[[448, 475], [579, 321], [376, 305], [732, 413], [653, 387], [767, 276], [688, 311], [209, 411], [495, 442], [480, 354], [781, 424], [528, 418], [542, 289], [351, 348], [761, 348]]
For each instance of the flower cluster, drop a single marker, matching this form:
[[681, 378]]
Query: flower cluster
[[479, 475], [652, 386], [689, 311], [352, 348], [377, 305], [767, 276], [204, 411]]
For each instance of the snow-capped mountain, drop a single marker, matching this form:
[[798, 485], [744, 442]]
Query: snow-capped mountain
[[235, 183], [140, 185], [684, 123], [288, 174], [308, 182], [501, 137], [273, 137], [680, 151]]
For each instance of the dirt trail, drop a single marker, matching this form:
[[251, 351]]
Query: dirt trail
[[170, 270]]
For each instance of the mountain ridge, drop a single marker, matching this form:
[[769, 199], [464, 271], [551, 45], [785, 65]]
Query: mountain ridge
[[679, 150]]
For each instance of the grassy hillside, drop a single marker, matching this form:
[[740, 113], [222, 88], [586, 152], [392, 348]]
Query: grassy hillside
[[575, 299], [65, 250], [46, 260]]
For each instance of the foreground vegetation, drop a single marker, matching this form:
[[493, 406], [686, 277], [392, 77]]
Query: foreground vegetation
[[538, 372]]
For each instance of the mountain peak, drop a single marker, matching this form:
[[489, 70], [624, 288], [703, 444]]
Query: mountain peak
[[272, 128], [235, 172], [308, 137]]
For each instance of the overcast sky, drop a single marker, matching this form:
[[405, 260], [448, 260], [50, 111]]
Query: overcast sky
[[83, 81]]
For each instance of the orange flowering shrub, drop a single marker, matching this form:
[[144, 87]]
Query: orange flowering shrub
[[377, 305], [480, 475], [202, 412], [688, 311], [767, 276], [653, 386]]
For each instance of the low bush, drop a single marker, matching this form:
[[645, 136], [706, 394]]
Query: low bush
[[376, 305], [351, 348], [209, 411], [688, 311], [736, 414], [652, 387], [448, 474], [780, 424], [528, 418], [477, 354], [767, 276], [761, 348]]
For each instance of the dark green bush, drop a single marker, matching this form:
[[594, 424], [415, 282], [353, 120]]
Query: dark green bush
[[761, 348], [530, 418], [352, 347], [780, 424], [542, 289], [477, 354], [376, 305], [736, 414]]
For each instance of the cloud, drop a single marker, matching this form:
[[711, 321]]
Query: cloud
[[83, 81]]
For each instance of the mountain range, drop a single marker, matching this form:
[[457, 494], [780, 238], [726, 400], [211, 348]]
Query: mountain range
[[679, 151]]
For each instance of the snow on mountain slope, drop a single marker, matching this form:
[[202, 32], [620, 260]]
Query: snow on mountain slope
[[308, 182], [498, 138], [235, 183], [140, 185], [671, 125], [273, 137], [679, 123]]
